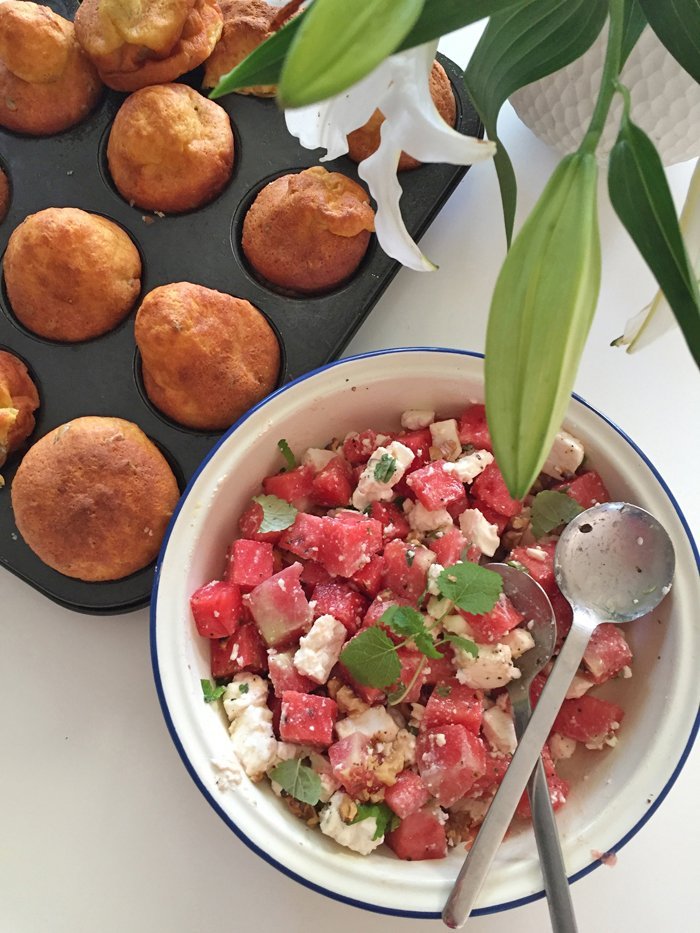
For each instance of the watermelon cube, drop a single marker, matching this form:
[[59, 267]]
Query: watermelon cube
[[349, 546], [294, 486], [339, 601], [280, 609], [250, 562], [607, 653], [407, 795], [313, 574], [352, 760], [453, 703], [419, 442], [242, 651], [419, 837], [473, 428], [450, 759], [558, 788], [307, 719], [370, 578], [392, 518], [358, 448], [216, 608], [304, 536], [370, 695], [490, 780], [588, 490], [406, 569], [413, 664], [440, 670], [490, 488], [449, 547], [332, 487], [284, 675], [539, 563], [489, 627], [434, 487], [250, 522], [589, 720]]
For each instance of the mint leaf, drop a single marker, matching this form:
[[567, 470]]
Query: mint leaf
[[470, 587], [211, 692], [298, 780], [371, 658], [385, 468], [286, 452], [466, 644], [243, 688], [386, 819], [443, 690], [277, 514], [408, 622], [551, 509]]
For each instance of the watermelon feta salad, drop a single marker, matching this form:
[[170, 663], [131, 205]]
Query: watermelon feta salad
[[360, 649]]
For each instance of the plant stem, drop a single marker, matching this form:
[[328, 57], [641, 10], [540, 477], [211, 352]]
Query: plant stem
[[611, 71]]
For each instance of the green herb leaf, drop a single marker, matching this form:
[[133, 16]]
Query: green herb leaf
[[264, 64], [466, 644], [516, 565], [521, 45], [641, 197], [541, 312], [371, 658], [677, 24], [633, 26], [385, 468], [386, 819], [338, 43], [409, 623], [471, 587], [550, 509], [443, 690], [277, 514], [286, 452], [298, 780], [211, 692], [243, 688]]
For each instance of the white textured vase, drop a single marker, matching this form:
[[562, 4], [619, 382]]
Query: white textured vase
[[665, 101]]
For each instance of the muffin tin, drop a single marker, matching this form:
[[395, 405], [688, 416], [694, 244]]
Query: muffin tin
[[102, 376]]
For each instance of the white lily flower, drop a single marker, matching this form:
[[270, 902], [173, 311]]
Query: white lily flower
[[400, 88], [656, 318]]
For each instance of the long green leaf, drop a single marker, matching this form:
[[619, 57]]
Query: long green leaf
[[439, 17], [634, 23], [677, 24], [519, 46], [338, 43], [263, 65], [541, 312], [642, 200]]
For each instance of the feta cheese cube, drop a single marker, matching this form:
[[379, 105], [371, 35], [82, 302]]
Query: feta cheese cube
[[565, 457], [317, 458], [244, 690], [491, 668], [413, 419], [319, 649], [374, 722], [561, 746], [422, 519], [479, 532], [446, 438], [468, 467], [254, 741], [499, 730], [519, 640], [434, 572], [579, 685], [355, 836], [369, 488]]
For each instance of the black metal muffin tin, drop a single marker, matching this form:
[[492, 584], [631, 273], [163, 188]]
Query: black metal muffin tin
[[102, 376]]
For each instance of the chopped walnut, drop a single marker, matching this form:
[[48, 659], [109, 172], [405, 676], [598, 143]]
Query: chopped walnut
[[459, 828], [390, 764], [347, 809], [347, 700], [304, 811]]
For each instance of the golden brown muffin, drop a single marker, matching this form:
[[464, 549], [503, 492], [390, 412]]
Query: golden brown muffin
[[308, 232], [170, 149], [19, 399], [71, 275], [135, 43], [247, 23], [364, 141], [47, 83], [93, 497], [207, 357], [4, 195]]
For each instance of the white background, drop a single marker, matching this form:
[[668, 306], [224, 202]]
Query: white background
[[102, 829]]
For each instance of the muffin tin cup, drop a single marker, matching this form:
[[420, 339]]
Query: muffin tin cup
[[101, 376]]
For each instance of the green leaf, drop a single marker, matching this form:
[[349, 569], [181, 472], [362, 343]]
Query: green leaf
[[286, 452], [443, 690], [519, 46], [466, 644], [385, 468], [211, 692], [371, 658], [471, 587], [541, 312], [409, 623], [551, 509], [298, 780], [243, 688], [264, 64], [641, 197], [633, 26], [338, 43], [438, 17], [677, 24], [277, 514], [386, 819]]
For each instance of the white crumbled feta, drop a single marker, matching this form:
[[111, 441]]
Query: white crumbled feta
[[476, 809], [355, 836], [565, 457], [458, 625], [405, 744], [491, 668], [434, 572], [468, 467], [440, 739], [579, 685], [229, 771], [413, 419], [374, 722], [536, 553], [317, 458], [561, 746], [422, 519], [329, 785], [254, 741], [417, 713], [600, 741], [445, 437], [319, 649], [369, 488], [499, 730], [286, 751], [519, 640], [244, 690], [626, 672], [479, 532], [437, 607]]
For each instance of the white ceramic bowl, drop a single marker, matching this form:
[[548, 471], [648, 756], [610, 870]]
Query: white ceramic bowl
[[623, 786]]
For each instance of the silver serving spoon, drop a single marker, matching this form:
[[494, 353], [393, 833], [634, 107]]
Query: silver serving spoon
[[530, 600], [614, 563]]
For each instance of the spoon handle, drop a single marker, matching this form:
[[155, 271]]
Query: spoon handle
[[556, 884], [477, 863]]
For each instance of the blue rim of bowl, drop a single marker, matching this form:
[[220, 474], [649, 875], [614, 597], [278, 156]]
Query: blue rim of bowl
[[375, 908]]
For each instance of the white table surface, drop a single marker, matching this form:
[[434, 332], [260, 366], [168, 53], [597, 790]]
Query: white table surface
[[101, 828]]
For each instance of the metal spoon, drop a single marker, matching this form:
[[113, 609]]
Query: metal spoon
[[613, 562], [530, 600]]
